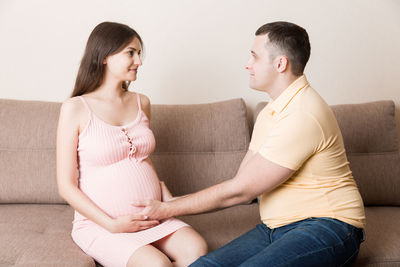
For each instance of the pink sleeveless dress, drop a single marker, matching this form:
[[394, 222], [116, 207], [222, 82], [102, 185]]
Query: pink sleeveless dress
[[114, 170]]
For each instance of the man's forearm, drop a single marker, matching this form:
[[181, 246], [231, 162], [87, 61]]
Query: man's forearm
[[216, 197]]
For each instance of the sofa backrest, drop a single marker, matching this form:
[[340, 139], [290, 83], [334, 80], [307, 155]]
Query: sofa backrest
[[197, 146], [372, 148], [27, 152]]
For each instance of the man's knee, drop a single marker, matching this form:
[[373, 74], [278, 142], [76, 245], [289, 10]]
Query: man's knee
[[205, 261]]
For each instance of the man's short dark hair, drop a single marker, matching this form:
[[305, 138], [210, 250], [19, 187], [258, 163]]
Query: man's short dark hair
[[292, 40]]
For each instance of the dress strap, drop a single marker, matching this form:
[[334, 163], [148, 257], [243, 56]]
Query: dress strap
[[138, 100], [85, 104]]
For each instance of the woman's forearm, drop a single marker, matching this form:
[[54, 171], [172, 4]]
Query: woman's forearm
[[81, 203]]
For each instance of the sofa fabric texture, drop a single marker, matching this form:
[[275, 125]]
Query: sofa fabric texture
[[197, 146]]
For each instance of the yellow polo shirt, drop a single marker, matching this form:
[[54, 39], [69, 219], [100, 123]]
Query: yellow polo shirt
[[299, 131]]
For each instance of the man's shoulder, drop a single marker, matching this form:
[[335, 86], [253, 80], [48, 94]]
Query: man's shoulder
[[313, 105], [310, 102]]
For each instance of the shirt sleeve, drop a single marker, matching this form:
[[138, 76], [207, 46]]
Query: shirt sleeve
[[293, 139]]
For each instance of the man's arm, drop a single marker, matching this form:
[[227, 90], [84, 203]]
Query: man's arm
[[256, 176]]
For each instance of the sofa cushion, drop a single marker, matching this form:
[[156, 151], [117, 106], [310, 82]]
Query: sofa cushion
[[368, 127], [38, 235], [27, 152], [199, 145], [220, 227], [377, 176], [381, 247], [370, 138]]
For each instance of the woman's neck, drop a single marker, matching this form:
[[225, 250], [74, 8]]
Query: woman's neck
[[111, 91]]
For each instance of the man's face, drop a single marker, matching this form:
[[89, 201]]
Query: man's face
[[260, 65]]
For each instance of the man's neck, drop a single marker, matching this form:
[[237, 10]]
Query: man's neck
[[281, 85]]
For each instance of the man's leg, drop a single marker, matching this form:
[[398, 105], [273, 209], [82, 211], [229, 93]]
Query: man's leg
[[238, 250], [312, 242]]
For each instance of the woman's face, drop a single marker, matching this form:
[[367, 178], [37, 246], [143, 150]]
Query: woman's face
[[123, 66]]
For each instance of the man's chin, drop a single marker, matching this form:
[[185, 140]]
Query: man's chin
[[256, 88]]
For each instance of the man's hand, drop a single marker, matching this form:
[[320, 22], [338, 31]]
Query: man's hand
[[153, 209], [131, 223]]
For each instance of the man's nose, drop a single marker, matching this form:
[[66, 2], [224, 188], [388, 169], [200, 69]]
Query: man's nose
[[247, 66]]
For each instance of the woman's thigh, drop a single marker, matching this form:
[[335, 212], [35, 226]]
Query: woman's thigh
[[183, 246], [313, 242], [118, 249]]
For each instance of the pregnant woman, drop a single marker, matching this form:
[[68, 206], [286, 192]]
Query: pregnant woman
[[103, 132]]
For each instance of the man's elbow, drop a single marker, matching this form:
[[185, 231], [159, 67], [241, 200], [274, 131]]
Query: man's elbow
[[247, 198], [241, 196]]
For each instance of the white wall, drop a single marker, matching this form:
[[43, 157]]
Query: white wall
[[196, 49]]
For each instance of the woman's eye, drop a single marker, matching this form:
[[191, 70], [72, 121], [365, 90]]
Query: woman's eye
[[130, 53]]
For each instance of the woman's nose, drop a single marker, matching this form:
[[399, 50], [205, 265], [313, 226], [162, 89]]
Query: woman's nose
[[138, 60]]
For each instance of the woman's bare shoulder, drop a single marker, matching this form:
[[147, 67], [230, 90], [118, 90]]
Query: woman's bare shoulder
[[145, 103], [72, 109], [144, 100]]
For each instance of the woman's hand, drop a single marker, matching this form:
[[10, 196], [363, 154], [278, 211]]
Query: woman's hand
[[131, 223], [153, 209]]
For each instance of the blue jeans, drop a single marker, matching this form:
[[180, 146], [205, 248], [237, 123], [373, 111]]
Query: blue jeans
[[310, 242]]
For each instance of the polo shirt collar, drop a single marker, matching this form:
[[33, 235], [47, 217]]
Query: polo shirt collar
[[279, 104]]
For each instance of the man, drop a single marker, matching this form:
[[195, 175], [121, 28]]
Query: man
[[312, 213]]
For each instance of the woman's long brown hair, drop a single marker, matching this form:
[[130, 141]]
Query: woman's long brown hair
[[106, 39]]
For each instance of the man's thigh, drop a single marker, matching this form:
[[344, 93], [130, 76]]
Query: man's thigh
[[238, 250], [313, 242]]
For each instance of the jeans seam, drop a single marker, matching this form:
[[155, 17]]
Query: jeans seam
[[263, 232], [355, 253]]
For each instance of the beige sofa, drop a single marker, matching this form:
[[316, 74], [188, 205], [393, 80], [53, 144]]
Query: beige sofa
[[197, 146]]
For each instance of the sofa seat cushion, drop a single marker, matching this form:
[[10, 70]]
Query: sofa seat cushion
[[382, 244], [220, 227], [38, 235]]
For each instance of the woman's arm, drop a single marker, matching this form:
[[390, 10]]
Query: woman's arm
[[67, 141]]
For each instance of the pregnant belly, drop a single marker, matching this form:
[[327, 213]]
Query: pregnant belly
[[113, 188]]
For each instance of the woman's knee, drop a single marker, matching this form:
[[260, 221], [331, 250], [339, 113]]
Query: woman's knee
[[194, 247], [151, 262], [197, 247], [149, 256]]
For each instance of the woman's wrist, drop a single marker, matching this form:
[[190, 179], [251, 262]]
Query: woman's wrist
[[109, 225]]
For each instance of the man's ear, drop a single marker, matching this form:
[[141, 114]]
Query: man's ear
[[282, 64]]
